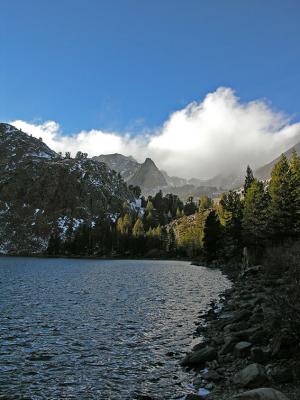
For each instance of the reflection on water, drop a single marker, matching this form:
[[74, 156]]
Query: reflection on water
[[98, 329]]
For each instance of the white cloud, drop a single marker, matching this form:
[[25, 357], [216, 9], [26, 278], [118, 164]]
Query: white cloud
[[218, 135]]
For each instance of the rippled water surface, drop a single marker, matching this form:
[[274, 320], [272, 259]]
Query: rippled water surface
[[98, 329]]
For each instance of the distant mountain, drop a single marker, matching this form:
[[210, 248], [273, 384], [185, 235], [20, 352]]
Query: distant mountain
[[126, 166], [151, 179], [42, 193], [173, 180], [148, 176], [145, 175], [264, 172], [225, 182], [233, 181], [185, 191]]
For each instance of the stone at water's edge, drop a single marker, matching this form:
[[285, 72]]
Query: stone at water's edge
[[253, 376], [199, 357], [261, 394]]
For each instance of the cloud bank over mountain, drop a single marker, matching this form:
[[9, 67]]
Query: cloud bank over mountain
[[220, 134]]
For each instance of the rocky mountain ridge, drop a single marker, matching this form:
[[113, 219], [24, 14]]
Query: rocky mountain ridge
[[42, 193], [148, 176], [125, 166], [264, 172]]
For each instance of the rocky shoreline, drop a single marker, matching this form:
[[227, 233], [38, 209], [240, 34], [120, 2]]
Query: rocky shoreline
[[247, 350]]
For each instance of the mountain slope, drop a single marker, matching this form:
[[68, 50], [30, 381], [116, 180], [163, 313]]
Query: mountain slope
[[16, 146], [148, 176], [151, 179], [126, 166], [264, 172], [41, 193]]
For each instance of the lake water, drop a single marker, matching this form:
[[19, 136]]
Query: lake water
[[98, 329]]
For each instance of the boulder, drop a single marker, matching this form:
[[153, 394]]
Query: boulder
[[242, 349], [260, 354], [200, 357], [259, 337], [282, 374], [229, 344], [199, 346], [257, 318], [253, 376], [244, 335], [261, 394], [242, 315], [211, 376]]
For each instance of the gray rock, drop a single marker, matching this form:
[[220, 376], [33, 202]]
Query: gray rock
[[241, 316], [199, 358], [257, 318], [244, 335], [261, 394], [281, 374], [242, 349], [259, 337], [253, 376], [260, 354], [236, 326], [212, 375], [229, 344]]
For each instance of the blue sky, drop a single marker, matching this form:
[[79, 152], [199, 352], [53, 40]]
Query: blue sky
[[127, 65]]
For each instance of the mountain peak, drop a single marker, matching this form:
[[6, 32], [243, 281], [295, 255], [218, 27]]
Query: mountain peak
[[149, 162], [148, 176], [16, 146], [7, 128], [126, 166]]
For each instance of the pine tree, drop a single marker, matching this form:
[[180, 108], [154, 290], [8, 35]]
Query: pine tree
[[230, 208], [158, 231], [190, 207], [138, 228], [149, 215], [69, 237], [295, 190], [212, 235], [255, 215], [171, 241], [282, 206], [149, 207], [249, 178], [205, 203], [125, 224]]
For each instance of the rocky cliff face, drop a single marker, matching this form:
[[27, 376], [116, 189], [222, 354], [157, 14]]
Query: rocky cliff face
[[41, 193], [148, 176], [125, 166], [151, 179], [16, 147]]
